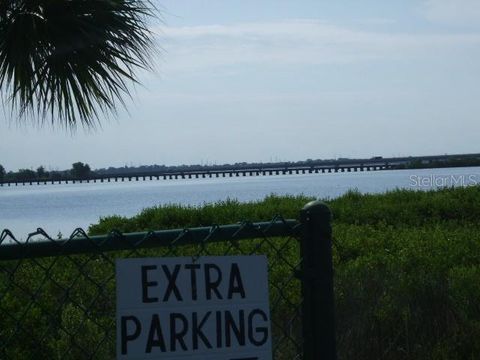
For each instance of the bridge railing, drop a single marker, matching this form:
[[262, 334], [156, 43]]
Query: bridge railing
[[201, 174]]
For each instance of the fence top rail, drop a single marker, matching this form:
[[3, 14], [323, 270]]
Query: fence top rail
[[81, 243]]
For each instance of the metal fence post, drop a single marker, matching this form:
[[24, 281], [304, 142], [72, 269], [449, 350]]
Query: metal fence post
[[317, 283]]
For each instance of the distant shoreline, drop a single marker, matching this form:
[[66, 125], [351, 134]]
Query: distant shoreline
[[242, 169]]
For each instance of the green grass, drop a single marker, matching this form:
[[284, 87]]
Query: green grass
[[223, 212], [399, 208]]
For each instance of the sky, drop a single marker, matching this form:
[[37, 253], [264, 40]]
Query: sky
[[260, 81]]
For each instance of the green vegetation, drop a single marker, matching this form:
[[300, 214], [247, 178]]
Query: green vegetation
[[456, 162], [223, 212], [407, 270], [79, 170], [407, 266], [70, 62]]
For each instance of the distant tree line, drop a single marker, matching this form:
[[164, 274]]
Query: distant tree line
[[457, 162], [187, 168], [79, 170], [414, 164]]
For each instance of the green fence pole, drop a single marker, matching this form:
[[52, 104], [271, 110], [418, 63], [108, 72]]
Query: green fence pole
[[317, 283]]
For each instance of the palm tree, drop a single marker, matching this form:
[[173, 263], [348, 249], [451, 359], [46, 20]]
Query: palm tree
[[70, 61]]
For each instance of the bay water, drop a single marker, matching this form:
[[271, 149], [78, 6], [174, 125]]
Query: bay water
[[62, 208]]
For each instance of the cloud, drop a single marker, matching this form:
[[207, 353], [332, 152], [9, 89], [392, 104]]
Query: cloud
[[459, 12], [307, 42]]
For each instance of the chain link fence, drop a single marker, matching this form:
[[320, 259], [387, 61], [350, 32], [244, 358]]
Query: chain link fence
[[57, 296]]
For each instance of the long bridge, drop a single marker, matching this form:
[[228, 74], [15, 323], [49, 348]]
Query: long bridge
[[317, 167]]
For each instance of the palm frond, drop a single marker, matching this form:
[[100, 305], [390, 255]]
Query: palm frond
[[71, 61]]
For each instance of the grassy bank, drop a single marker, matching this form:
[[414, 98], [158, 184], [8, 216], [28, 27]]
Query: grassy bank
[[407, 266], [407, 277], [398, 208]]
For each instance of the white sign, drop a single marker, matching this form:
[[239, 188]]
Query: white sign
[[213, 308]]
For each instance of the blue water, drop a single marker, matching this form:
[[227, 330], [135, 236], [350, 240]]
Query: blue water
[[62, 208]]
